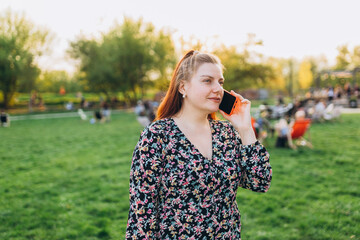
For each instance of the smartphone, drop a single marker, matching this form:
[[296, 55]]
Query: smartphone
[[228, 103]]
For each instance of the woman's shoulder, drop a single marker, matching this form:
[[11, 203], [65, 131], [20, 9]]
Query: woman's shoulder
[[161, 126]]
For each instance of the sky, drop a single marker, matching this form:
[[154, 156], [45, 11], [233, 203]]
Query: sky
[[288, 28]]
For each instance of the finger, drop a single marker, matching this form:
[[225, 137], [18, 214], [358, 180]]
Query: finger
[[246, 101], [238, 95]]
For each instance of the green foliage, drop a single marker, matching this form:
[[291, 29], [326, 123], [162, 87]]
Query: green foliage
[[343, 58], [125, 59], [164, 59], [290, 70], [68, 179], [305, 75], [355, 57], [52, 81], [242, 71], [20, 43], [346, 59]]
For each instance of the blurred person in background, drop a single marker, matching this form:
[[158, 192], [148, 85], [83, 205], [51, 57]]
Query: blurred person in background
[[106, 111], [4, 119], [141, 115]]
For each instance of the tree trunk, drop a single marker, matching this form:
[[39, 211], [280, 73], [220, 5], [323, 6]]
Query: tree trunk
[[6, 101], [7, 98], [134, 99], [9, 91]]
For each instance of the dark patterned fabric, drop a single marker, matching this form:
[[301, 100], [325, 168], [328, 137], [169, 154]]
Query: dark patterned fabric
[[177, 193]]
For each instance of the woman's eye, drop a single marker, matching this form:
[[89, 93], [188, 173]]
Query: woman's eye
[[221, 83], [207, 80]]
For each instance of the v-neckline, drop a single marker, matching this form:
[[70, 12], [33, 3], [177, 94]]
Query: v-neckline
[[193, 145]]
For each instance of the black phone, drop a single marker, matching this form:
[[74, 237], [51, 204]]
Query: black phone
[[228, 103]]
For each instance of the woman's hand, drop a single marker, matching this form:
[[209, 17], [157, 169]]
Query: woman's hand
[[241, 119]]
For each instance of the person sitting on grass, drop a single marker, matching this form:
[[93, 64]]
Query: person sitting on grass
[[98, 117], [106, 112], [4, 118], [298, 128], [286, 132], [283, 139]]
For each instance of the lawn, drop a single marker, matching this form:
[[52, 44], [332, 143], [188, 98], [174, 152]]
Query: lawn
[[68, 179]]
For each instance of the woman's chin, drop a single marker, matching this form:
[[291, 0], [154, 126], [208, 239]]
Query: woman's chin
[[213, 110]]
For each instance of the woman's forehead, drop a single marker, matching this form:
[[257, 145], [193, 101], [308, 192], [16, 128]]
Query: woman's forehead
[[209, 70]]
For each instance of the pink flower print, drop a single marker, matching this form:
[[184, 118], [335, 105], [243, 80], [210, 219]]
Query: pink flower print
[[176, 201], [186, 183], [183, 191], [163, 226], [218, 162], [192, 208], [199, 219], [172, 228]]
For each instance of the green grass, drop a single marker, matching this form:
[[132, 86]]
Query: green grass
[[67, 179], [314, 193]]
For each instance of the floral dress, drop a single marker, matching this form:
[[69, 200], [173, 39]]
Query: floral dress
[[177, 193]]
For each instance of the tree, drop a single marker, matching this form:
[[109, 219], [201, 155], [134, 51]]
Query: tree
[[318, 64], [355, 57], [95, 64], [343, 58], [165, 60], [346, 59], [20, 43], [289, 71], [127, 58], [278, 81], [242, 70], [53, 80], [305, 75], [191, 42]]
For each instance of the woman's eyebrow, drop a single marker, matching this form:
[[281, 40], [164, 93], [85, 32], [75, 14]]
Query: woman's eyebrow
[[208, 76]]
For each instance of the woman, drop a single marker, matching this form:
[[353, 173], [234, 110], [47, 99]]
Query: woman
[[187, 166]]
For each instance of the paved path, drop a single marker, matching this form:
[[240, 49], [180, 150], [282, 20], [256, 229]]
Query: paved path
[[90, 113], [350, 110]]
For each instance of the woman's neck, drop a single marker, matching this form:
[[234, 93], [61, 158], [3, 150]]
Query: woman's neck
[[192, 118]]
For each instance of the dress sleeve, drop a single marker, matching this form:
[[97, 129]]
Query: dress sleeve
[[256, 172], [145, 175]]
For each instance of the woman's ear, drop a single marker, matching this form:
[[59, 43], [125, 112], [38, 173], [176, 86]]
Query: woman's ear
[[182, 87]]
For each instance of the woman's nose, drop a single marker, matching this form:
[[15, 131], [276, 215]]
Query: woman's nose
[[218, 87]]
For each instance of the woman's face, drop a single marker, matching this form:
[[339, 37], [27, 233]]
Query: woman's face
[[204, 90]]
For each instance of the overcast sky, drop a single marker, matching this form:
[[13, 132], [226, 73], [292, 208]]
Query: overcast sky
[[288, 28]]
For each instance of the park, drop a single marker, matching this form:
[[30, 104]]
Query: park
[[67, 179], [68, 137]]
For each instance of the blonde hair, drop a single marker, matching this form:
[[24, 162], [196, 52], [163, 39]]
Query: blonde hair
[[184, 71]]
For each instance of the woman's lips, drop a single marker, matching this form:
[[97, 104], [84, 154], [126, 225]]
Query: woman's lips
[[215, 99]]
